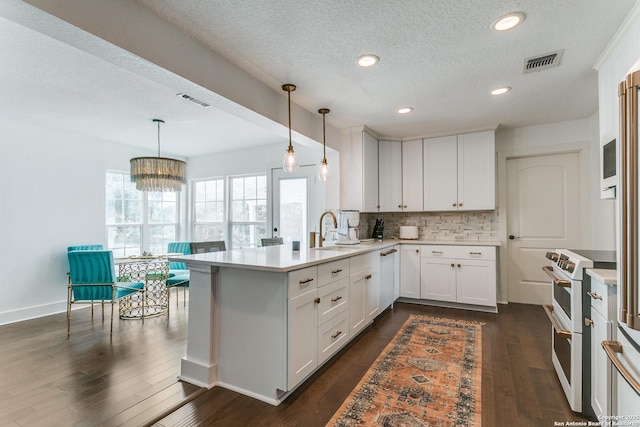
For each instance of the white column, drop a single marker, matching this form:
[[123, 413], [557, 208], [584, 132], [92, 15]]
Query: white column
[[199, 366]]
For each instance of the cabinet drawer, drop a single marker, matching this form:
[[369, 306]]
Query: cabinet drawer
[[369, 261], [334, 299], [332, 336], [459, 252], [302, 281], [602, 299], [333, 271]]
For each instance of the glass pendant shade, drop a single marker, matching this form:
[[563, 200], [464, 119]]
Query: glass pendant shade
[[323, 169], [158, 173], [290, 162]]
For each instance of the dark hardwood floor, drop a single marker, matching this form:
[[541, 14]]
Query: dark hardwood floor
[[47, 380]]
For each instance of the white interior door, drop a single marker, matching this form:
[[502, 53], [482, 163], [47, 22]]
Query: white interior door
[[543, 214], [294, 203]]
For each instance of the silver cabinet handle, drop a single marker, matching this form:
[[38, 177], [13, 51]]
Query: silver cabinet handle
[[594, 295]]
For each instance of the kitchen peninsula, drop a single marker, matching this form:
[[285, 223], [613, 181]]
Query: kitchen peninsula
[[262, 320]]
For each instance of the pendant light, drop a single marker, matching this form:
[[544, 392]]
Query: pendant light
[[158, 173], [290, 163], [323, 169]]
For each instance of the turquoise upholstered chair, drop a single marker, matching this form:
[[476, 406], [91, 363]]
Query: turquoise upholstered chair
[[85, 248], [178, 273], [92, 280]]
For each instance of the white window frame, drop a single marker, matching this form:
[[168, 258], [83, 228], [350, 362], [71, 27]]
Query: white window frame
[[143, 226], [224, 223], [232, 223]]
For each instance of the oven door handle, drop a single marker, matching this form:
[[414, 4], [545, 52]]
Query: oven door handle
[[612, 348], [562, 332], [556, 280]]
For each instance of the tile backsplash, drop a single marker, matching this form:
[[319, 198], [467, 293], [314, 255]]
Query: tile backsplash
[[472, 225]]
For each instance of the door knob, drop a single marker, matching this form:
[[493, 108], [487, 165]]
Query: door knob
[[512, 237]]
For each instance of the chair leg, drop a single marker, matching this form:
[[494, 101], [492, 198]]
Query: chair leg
[[184, 296], [68, 312]]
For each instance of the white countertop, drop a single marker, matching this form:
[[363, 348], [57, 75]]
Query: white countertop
[[606, 276], [282, 259]]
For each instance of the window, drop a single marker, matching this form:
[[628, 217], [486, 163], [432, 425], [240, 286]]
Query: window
[[138, 221], [208, 210], [248, 210]]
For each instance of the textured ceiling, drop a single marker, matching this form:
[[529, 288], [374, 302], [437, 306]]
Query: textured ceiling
[[438, 56]]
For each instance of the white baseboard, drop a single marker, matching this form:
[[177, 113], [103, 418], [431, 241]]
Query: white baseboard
[[34, 312]]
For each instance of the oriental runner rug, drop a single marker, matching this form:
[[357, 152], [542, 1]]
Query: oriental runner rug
[[428, 375]]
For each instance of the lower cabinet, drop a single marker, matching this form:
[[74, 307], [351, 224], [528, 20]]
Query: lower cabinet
[[303, 342], [461, 274], [389, 276], [410, 271], [364, 290]]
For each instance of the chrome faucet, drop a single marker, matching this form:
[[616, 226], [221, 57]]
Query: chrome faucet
[[335, 224]]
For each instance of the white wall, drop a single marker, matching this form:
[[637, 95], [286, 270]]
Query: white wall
[[52, 197], [597, 226]]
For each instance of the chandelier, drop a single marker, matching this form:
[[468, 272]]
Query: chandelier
[[158, 173]]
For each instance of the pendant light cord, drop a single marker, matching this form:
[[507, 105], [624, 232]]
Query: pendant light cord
[[289, 105]]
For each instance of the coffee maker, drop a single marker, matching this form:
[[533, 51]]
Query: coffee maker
[[348, 232]]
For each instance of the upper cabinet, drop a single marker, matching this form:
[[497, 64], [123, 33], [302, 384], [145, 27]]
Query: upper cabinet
[[400, 176], [460, 172], [359, 171]]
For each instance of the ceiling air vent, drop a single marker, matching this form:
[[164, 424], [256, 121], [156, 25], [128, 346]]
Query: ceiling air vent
[[192, 99], [543, 62]]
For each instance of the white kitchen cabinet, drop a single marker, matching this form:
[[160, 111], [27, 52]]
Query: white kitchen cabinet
[[400, 176], [603, 303], [410, 271], [390, 162], [461, 274], [412, 180], [302, 324], [389, 284], [364, 291], [303, 342], [438, 279], [359, 171], [459, 172]]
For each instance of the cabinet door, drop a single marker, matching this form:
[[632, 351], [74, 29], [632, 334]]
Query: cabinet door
[[387, 277], [390, 176], [303, 330], [372, 295], [440, 160], [476, 282], [370, 170], [357, 302], [410, 271], [412, 179], [600, 368], [438, 279], [477, 171]]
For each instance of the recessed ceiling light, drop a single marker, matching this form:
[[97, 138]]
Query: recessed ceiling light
[[508, 21], [405, 110], [501, 90], [367, 60]]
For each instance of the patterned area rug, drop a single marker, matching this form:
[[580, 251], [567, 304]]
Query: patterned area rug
[[428, 375]]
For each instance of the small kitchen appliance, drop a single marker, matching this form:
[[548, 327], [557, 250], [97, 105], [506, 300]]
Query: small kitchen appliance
[[348, 232], [378, 229], [409, 232]]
